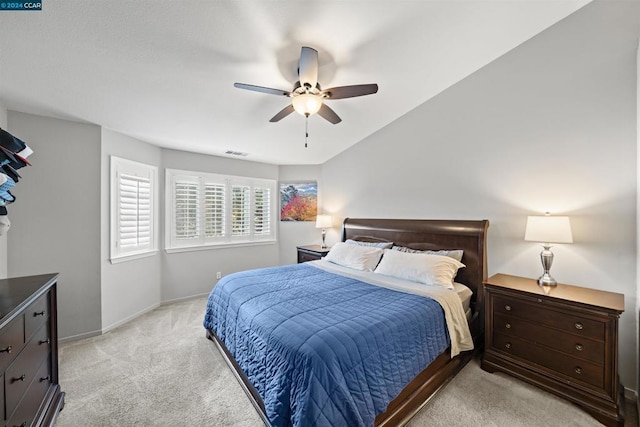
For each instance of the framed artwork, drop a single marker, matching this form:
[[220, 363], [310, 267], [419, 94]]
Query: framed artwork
[[298, 201]]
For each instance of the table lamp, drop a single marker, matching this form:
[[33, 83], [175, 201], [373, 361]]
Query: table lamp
[[324, 222], [548, 229]]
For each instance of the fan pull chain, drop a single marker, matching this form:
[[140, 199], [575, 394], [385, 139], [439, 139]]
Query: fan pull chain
[[306, 129]]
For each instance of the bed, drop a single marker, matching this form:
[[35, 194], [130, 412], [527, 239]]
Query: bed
[[244, 339]]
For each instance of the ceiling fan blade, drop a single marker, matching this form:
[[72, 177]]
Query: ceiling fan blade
[[262, 89], [308, 67], [328, 114], [350, 91], [282, 114]]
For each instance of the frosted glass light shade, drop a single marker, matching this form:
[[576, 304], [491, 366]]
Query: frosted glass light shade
[[548, 229], [324, 221], [307, 104]]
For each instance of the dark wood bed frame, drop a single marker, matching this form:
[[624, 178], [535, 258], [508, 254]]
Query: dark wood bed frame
[[470, 236]]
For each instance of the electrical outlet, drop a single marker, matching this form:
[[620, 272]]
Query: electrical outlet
[[218, 275]]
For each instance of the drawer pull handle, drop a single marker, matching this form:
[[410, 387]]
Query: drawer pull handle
[[47, 341], [579, 347], [579, 326], [47, 378], [38, 313], [20, 378], [578, 370], [508, 326], [6, 350], [508, 345], [24, 424], [507, 307]]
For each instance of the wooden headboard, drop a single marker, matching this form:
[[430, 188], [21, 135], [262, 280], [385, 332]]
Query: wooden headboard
[[470, 236]]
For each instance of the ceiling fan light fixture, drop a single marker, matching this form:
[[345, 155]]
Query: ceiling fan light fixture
[[307, 104]]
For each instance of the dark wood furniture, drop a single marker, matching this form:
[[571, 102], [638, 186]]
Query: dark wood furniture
[[29, 351], [563, 339], [311, 253], [470, 236]]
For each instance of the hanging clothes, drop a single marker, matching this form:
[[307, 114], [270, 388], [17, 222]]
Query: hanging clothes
[[13, 156]]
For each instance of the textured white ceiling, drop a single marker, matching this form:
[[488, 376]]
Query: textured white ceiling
[[163, 71]]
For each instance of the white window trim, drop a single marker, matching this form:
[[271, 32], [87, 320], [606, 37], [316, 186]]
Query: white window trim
[[173, 245], [120, 166]]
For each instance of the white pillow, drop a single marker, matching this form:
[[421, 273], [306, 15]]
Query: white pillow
[[363, 258], [455, 254], [381, 245], [422, 268]]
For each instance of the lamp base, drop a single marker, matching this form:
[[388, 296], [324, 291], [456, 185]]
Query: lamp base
[[546, 256], [547, 280], [324, 234]]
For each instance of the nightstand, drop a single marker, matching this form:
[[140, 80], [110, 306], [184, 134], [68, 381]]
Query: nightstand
[[311, 253], [563, 339]]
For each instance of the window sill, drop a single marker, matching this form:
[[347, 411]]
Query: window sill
[[131, 257], [225, 245]]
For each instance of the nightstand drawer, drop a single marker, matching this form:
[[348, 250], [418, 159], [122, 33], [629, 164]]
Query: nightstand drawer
[[311, 253], [581, 370], [306, 256], [581, 347], [537, 312]]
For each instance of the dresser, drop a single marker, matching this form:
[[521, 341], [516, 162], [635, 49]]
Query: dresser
[[563, 339], [31, 395], [311, 253]]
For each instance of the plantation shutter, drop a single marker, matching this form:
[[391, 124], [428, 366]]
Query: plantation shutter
[[134, 216], [214, 210], [262, 211], [240, 210], [187, 206]]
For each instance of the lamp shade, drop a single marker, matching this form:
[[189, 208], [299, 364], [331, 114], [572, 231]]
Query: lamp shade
[[548, 229], [307, 104], [324, 221]]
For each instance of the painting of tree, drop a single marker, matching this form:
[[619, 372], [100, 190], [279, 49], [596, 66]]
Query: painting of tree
[[298, 201]]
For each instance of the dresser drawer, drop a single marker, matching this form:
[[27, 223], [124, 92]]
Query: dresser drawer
[[537, 312], [11, 341], [21, 373], [35, 315], [568, 366], [28, 407], [580, 347]]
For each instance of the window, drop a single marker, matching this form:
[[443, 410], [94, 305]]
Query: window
[[205, 210], [133, 209]]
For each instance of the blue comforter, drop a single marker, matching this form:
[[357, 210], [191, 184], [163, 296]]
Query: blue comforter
[[322, 349]]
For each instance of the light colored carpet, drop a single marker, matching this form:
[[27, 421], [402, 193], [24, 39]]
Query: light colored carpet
[[160, 370]]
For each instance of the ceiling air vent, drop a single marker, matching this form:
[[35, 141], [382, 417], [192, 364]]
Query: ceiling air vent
[[236, 153]]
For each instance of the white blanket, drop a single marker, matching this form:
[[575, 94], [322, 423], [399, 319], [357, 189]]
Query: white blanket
[[453, 311]]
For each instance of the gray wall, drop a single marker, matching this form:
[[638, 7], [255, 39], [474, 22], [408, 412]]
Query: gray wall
[[292, 234], [133, 287], [3, 239], [55, 220], [185, 274], [550, 126]]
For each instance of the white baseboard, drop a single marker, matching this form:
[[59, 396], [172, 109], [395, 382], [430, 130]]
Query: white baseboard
[[129, 318], [80, 336], [630, 394], [171, 301]]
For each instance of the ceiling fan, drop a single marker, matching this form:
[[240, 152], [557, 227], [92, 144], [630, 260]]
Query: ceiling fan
[[307, 97]]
